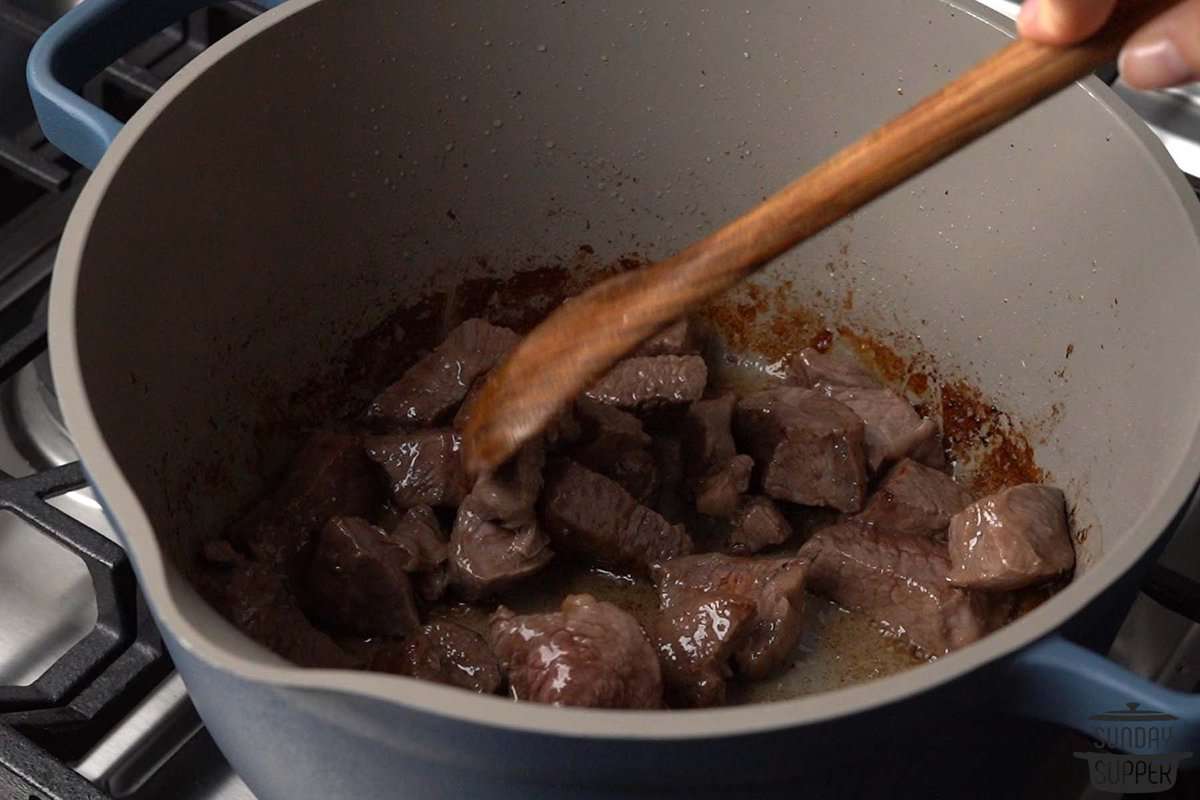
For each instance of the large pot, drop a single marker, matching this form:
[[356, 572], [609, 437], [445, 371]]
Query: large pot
[[292, 185]]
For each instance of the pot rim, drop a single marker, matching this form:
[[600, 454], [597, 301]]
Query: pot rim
[[159, 579]]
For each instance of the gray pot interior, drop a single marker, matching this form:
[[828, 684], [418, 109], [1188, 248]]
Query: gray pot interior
[[352, 160]]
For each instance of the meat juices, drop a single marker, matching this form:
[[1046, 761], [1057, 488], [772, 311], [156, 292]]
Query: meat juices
[[1012, 539], [590, 653], [354, 542]]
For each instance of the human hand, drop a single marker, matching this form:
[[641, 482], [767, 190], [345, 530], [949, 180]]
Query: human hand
[[1164, 52]]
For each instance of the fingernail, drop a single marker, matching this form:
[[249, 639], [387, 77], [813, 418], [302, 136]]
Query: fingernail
[[1154, 65], [1028, 14]]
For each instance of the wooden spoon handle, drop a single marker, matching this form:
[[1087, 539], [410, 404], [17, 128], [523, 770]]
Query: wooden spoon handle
[[584, 337]]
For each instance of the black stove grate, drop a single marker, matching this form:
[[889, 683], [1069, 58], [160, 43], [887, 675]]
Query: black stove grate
[[66, 711]]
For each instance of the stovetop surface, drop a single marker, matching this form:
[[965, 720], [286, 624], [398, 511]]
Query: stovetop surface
[[144, 739]]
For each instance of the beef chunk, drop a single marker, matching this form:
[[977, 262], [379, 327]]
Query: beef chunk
[[900, 581], [668, 457], [358, 580], [590, 653], [649, 382], [696, 639], [774, 585], [1011, 539], [424, 467], [915, 499], [509, 494], [676, 339], [708, 433], [329, 475], [816, 370], [809, 448], [439, 381], [616, 445], [892, 428], [592, 516], [220, 552], [421, 538], [486, 557], [255, 597], [719, 493], [444, 652], [757, 524]]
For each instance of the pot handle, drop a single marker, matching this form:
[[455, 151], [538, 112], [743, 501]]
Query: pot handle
[[75, 49], [1062, 682]]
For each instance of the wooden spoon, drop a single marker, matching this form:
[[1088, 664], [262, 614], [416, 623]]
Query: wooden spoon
[[583, 338]]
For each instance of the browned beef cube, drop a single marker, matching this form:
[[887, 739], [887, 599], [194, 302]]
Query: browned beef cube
[[809, 448], [593, 517], [486, 557], [256, 599], [774, 585], [650, 382], [438, 382], [330, 475], [708, 433], [423, 467], [1011, 539], [892, 427], [676, 339], [589, 654], [615, 444], [443, 652], [900, 581], [757, 523], [358, 580], [696, 639], [420, 536], [816, 370], [719, 493], [915, 499], [509, 493]]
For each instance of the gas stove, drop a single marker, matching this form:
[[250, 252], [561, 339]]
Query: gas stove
[[89, 704]]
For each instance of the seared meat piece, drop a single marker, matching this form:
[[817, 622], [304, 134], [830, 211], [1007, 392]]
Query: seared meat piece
[[816, 370], [486, 557], [255, 597], [900, 581], [649, 382], [774, 585], [424, 467], [708, 433], [695, 639], [439, 381], [719, 493], [329, 475], [615, 444], [757, 524], [509, 494], [420, 536], [1011, 539], [809, 448], [221, 552], [915, 499], [676, 339], [590, 653], [892, 427], [592, 516], [358, 580], [443, 652]]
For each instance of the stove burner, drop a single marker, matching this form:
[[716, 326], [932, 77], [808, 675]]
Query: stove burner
[[34, 419]]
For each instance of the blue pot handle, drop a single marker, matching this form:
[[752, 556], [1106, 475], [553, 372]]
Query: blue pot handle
[[1065, 683], [78, 47]]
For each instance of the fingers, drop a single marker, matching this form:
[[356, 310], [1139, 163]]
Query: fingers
[[1062, 21], [1166, 51]]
